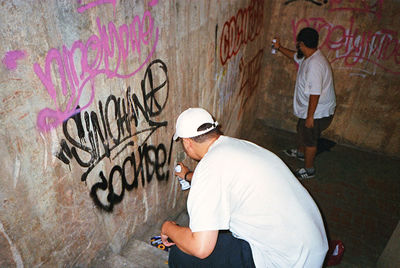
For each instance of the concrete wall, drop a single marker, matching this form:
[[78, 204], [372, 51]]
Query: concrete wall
[[361, 41], [90, 91]]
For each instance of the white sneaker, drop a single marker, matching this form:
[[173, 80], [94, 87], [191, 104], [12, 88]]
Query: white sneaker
[[303, 174]]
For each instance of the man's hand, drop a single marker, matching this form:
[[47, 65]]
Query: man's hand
[[164, 237], [199, 244], [277, 43], [183, 171], [285, 51], [309, 122]]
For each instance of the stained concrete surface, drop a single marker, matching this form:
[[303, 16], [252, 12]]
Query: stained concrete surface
[[357, 192], [138, 253]]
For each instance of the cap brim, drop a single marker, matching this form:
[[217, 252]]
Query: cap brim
[[175, 137]]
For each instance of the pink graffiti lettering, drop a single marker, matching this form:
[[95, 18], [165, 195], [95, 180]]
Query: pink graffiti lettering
[[354, 46], [93, 4], [11, 57], [153, 3], [361, 6], [240, 29], [101, 54]]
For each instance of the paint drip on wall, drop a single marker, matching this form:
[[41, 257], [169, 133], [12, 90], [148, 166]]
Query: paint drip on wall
[[11, 57]]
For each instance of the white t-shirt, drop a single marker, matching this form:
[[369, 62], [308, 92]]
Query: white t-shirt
[[314, 77], [247, 189]]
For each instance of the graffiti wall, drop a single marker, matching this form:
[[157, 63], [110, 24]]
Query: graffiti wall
[[361, 41], [91, 90], [90, 93]]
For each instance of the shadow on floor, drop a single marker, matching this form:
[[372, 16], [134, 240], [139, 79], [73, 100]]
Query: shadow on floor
[[357, 192]]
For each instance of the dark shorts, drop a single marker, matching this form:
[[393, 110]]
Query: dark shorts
[[228, 252], [309, 136]]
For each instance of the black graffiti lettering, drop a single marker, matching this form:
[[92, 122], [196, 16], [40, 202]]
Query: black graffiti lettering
[[94, 145], [112, 99], [131, 159], [318, 3], [98, 133], [112, 197], [123, 119], [135, 106], [109, 132], [93, 192], [151, 162], [150, 100], [142, 160], [160, 163], [115, 118], [77, 120], [64, 149], [150, 155]]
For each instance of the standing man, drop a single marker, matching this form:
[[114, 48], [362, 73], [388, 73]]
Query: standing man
[[314, 99], [246, 208]]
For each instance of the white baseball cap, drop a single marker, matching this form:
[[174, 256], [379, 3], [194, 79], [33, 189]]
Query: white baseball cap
[[189, 121]]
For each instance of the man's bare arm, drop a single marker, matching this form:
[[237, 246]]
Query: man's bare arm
[[285, 51], [312, 106], [198, 244]]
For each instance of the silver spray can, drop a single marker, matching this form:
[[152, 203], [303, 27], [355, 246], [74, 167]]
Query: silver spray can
[[273, 50], [184, 184]]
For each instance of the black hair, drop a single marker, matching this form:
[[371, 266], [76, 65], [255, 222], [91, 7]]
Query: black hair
[[215, 132], [309, 37]]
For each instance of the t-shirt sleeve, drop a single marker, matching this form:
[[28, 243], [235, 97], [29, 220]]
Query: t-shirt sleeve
[[297, 60], [208, 203], [314, 79]]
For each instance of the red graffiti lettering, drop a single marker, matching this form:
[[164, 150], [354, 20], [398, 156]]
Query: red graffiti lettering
[[250, 74], [240, 29]]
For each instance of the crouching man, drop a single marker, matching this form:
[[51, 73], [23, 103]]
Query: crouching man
[[246, 207]]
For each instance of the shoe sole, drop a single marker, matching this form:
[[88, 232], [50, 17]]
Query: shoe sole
[[305, 178]]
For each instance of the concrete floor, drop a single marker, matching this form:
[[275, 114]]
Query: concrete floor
[[357, 192], [138, 252]]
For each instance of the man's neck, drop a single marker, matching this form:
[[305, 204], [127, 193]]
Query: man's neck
[[205, 146], [309, 52]]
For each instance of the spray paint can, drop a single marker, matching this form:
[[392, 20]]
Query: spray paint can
[[273, 50], [184, 184]]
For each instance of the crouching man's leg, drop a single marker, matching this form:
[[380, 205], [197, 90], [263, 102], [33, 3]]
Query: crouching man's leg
[[228, 252]]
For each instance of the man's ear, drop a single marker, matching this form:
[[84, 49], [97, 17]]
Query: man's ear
[[187, 142]]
